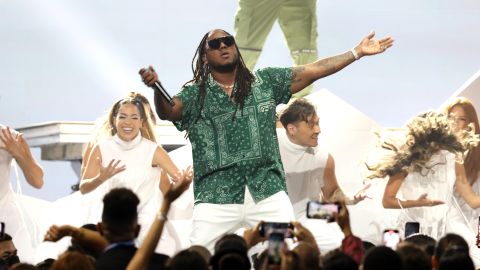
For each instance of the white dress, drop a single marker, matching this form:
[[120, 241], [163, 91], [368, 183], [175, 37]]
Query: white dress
[[78, 209], [463, 220], [18, 213], [438, 220], [304, 169], [140, 177], [438, 182]]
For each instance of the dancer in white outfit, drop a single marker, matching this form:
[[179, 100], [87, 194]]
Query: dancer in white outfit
[[462, 219], [19, 222], [426, 168], [310, 170], [129, 159]]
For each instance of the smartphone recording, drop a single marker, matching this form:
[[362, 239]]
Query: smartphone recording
[[268, 228], [275, 245], [411, 228], [391, 238], [318, 210]]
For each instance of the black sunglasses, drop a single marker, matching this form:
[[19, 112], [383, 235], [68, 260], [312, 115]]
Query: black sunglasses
[[217, 42]]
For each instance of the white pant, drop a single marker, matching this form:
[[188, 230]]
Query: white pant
[[212, 221]]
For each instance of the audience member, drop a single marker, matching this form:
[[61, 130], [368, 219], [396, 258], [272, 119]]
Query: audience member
[[202, 251], [73, 260], [381, 258], [453, 260], [8, 252], [45, 264], [337, 260], [81, 247], [309, 255], [413, 257], [449, 241], [425, 242], [119, 226], [187, 260], [230, 253]]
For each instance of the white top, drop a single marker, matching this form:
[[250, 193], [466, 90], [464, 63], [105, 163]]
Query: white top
[[20, 218], [438, 183], [470, 215], [304, 169], [139, 175]]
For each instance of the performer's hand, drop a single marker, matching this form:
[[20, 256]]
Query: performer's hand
[[361, 194], [149, 76], [110, 170], [424, 201], [181, 183], [370, 46], [55, 233], [10, 144]]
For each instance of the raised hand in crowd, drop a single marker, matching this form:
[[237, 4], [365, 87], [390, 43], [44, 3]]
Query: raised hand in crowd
[[181, 182], [90, 238]]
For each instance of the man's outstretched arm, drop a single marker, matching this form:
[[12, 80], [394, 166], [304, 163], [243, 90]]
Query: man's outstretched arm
[[305, 75]]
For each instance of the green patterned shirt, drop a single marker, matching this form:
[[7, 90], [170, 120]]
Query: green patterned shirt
[[231, 153]]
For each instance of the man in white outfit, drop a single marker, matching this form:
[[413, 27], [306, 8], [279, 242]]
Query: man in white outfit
[[310, 171]]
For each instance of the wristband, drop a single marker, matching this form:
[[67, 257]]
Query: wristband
[[355, 54], [161, 216]]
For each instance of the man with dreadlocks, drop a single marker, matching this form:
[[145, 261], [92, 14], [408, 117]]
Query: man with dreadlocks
[[229, 115], [426, 168]]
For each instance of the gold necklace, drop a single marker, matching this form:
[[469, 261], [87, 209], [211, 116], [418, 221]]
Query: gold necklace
[[225, 86]]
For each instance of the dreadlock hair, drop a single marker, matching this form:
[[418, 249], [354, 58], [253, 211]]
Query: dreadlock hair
[[426, 134], [201, 70]]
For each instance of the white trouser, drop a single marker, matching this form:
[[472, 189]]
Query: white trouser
[[212, 221]]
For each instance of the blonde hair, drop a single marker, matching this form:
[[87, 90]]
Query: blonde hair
[[472, 160], [426, 134]]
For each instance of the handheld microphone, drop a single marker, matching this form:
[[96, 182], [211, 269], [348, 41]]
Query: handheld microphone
[[159, 88]]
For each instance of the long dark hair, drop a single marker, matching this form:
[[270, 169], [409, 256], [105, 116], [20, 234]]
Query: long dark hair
[[243, 80], [472, 161]]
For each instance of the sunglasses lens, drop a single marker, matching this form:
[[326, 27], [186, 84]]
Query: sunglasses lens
[[228, 41], [216, 43]]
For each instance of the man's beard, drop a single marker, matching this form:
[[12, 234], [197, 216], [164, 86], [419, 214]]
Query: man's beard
[[226, 68]]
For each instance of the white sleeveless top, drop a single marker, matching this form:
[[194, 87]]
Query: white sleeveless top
[[20, 219], [304, 168], [139, 175], [438, 183], [469, 214]]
